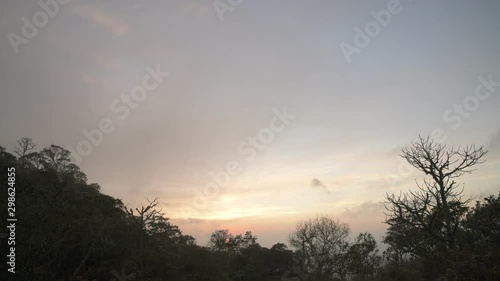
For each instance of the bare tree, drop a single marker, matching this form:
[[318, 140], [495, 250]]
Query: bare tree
[[322, 244], [145, 216], [24, 146], [27, 157], [434, 210]]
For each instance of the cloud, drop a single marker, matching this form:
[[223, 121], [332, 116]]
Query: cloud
[[111, 22], [366, 209], [196, 221], [196, 8], [317, 183], [110, 63]]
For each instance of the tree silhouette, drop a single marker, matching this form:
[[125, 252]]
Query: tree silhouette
[[322, 245], [71, 231], [426, 222]]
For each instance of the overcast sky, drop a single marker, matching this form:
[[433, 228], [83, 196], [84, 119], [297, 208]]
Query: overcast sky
[[229, 72]]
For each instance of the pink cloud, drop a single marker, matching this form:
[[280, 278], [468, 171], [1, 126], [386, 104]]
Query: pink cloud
[[110, 22]]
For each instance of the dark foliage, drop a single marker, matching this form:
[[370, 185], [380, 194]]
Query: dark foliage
[[68, 230]]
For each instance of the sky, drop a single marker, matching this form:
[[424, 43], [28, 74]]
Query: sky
[[252, 114]]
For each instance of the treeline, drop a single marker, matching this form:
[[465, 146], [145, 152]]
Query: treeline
[[68, 230]]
